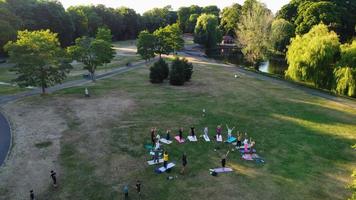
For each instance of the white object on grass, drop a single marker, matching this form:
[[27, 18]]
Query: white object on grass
[[192, 139], [151, 162], [165, 141], [219, 138], [221, 170], [206, 138], [169, 166]]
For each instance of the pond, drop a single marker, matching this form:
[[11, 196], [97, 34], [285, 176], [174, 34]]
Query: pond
[[274, 67]]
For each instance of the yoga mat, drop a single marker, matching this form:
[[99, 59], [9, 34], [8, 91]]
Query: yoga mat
[[206, 138], [219, 139], [247, 157], [243, 150], [151, 162], [169, 165], [165, 141], [148, 146], [231, 139], [222, 170], [153, 153], [177, 138], [192, 139]]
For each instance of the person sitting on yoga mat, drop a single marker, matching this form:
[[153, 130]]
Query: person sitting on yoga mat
[[239, 138], [157, 145], [168, 134], [184, 162], [229, 131], [156, 156], [180, 134], [165, 159]]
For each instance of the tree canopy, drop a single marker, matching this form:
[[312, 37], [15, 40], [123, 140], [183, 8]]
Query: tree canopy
[[92, 52], [207, 31], [39, 60], [146, 45], [311, 57], [168, 39], [254, 30], [229, 19], [282, 32]]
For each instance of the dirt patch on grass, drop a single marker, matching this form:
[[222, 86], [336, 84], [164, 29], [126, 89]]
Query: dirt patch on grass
[[28, 167]]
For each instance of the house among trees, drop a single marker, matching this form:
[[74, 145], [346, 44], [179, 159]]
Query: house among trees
[[227, 39]]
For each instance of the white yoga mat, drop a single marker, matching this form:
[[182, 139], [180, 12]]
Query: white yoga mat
[[206, 138], [151, 162], [192, 139], [165, 141], [169, 165], [222, 170]]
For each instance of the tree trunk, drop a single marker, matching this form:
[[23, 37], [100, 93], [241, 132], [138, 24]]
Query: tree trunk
[[92, 76]]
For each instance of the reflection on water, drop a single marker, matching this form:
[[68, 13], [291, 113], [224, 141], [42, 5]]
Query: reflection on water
[[274, 67]]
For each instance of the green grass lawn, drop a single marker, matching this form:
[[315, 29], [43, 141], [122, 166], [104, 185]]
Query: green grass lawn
[[305, 141]]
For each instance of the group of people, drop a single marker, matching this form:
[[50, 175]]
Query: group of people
[[241, 141]]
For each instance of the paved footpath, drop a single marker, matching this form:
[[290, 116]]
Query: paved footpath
[[5, 131]]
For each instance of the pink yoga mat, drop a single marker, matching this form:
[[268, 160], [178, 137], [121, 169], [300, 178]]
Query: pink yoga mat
[[178, 139]]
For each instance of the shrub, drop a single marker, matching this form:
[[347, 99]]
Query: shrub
[[177, 75], [159, 71], [188, 69]]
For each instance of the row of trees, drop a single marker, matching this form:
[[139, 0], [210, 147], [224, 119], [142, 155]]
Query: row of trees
[[41, 61], [77, 21], [181, 71]]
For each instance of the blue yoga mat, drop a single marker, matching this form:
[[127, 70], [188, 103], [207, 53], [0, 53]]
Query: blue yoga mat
[[231, 139]]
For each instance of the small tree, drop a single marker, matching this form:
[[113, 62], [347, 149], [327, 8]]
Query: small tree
[[178, 72], [159, 71], [146, 45], [188, 68], [104, 34], [92, 52], [168, 39], [39, 59]]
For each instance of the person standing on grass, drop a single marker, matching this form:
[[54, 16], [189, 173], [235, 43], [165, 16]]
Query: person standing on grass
[[126, 191], [156, 156], [54, 178], [138, 187], [32, 195], [223, 161], [184, 162], [153, 136], [165, 159]]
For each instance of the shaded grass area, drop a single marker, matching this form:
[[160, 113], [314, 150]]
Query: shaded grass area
[[305, 140], [43, 144]]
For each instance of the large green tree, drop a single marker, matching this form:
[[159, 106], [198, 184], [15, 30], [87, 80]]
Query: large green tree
[[168, 39], [92, 52], [281, 33], [253, 31], [345, 72], [207, 31], [229, 19], [39, 60], [146, 45], [311, 57], [104, 34]]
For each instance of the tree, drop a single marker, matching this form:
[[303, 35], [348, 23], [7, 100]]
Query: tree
[[192, 21], [229, 19], [9, 24], [254, 31], [168, 39], [92, 52], [159, 71], [146, 45], [212, 10], [281, 33], [177, 74], [104, 34], [345, 73], [312, 13], [311, 57], [39, 59], [206, 31], [187, 17]]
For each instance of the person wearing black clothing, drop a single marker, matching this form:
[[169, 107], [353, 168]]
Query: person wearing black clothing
[[180, 134], [184, 162], [32, 195], [223, 162], [192, 132], [138, 187], [54, 178], [153, 136], [168, 135]]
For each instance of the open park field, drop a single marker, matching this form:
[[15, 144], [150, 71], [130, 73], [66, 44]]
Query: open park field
[[96, 144]]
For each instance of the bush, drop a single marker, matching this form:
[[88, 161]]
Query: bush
[[181, 71], [188, 69], [159, 71], [177, 75]]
